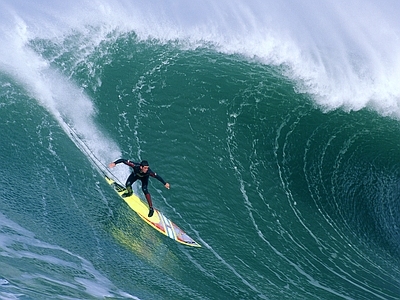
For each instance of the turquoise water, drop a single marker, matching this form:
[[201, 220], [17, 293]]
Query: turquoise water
[[280, 144]]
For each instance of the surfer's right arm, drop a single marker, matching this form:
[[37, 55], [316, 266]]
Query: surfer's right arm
[[121, 160]]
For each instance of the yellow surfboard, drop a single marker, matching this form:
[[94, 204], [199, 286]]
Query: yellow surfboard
[[158, 221]]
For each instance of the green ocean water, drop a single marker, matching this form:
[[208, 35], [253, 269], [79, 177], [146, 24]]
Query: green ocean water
[[290, 195]]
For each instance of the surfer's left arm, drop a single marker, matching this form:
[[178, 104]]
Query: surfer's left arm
[[155, 175]]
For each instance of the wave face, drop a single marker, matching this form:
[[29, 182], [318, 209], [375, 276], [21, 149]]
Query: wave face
[[276, 125]]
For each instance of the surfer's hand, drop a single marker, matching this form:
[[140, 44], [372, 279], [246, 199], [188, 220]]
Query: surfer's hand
[[111, 165], [151, 212], [167, 185]]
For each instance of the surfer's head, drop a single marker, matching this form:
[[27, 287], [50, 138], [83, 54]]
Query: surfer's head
[[144, 163], [144, 166]]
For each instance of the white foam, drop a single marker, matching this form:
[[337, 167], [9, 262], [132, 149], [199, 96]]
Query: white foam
[[345, 53], [54, 91]]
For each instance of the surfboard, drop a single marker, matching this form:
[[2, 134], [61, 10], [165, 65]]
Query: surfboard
[[158, 221]]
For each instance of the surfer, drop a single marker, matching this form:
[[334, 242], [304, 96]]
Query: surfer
[[142, 172]]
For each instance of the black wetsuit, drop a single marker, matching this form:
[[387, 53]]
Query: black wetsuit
[[137, 174]]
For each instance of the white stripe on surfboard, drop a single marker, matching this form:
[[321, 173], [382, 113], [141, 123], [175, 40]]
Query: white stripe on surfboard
[[168, 227]]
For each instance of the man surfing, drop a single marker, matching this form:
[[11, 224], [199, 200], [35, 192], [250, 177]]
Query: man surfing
[[142, 172]]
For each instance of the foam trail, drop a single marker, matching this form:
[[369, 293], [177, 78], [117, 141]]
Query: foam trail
[[61, 97]]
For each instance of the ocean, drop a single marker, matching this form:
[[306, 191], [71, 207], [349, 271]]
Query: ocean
[[277, 125]]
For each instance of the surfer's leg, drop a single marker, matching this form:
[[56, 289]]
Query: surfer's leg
[[146, 192], [151, 209], [147, 195], [128, 192], [131, 179]]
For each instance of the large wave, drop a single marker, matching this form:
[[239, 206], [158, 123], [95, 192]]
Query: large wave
[[344, 53], [340, 54]]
